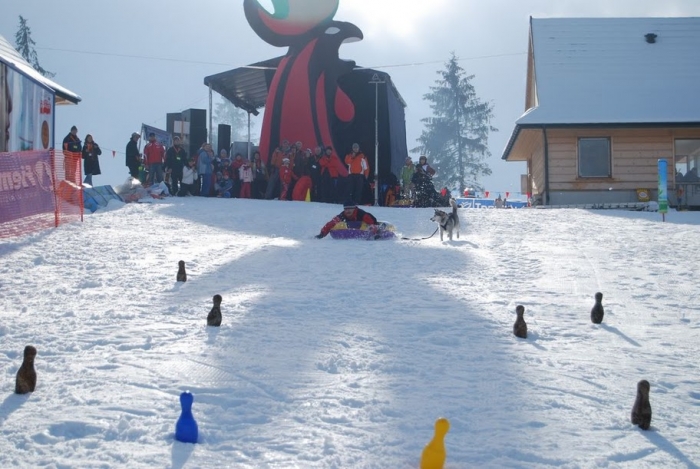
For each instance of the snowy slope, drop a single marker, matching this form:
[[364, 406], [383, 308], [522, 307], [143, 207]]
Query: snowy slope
[[341, 354]]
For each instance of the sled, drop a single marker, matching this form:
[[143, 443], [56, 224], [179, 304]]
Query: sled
[[361, 230], [402, 203]]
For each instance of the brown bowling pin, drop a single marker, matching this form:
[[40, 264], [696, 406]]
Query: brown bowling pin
[[520, 327], [214, 317], [26, 375], [597, 310], [181, 274], [641, 411]]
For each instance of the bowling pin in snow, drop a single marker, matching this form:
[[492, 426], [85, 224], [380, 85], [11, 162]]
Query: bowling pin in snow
[[181, 273], [434, 454], [26, 375], [641, 411], [597, 310], [520, 326], [214, 317], [186, 429]]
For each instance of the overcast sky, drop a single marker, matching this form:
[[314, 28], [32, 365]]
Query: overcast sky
[[134, 61]]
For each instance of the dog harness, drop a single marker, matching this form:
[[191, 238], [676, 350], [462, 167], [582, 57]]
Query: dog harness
[[449, 217]]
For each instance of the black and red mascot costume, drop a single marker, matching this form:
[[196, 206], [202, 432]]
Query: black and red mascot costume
[[304, 101]]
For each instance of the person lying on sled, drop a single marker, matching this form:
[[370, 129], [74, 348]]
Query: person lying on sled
[[350, 213]]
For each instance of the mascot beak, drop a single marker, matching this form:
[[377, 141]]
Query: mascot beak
[[347, 32]]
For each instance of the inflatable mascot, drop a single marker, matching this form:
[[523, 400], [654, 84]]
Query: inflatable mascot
[[304, 101]]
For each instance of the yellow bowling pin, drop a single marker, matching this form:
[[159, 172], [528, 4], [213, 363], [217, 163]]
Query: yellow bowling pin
[[434, 454]]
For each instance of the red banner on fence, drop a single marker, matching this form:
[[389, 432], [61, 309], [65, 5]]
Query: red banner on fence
[[26, 185], [38, 189]]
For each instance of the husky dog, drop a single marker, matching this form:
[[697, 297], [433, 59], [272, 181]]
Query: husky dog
[[448, 221]]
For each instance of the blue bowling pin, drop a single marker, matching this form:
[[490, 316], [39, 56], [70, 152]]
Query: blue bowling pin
[[186, 427]]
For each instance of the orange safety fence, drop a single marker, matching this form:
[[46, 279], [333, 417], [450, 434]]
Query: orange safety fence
[[39, 190]]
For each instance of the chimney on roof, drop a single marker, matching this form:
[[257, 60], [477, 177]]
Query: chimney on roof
[[650, 37]]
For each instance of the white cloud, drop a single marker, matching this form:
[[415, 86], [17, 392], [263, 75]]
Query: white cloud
[[397, 18]]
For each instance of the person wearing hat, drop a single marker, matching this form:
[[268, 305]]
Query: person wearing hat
[[175, 159], [406, 175], [350, 213], [72, 143], [133, 156], [72, 152], [425, 194]]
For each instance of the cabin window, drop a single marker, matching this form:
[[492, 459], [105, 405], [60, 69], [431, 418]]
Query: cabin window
[[594, 157], [687, 159]]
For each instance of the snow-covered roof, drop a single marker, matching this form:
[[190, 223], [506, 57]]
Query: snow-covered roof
[[10, 56], [603, 71]]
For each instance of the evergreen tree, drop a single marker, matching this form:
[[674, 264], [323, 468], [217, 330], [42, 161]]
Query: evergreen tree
[[455, 138], [25, 46]]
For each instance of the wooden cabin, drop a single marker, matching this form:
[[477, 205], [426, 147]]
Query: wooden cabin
[[605, 99]]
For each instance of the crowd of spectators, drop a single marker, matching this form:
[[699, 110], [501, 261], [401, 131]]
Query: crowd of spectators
[[292, 173]]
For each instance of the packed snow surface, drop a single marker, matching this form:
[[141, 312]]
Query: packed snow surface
[[342, 354]]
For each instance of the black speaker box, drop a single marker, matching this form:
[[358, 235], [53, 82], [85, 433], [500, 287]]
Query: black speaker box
[[224, 142], [196, 117], [198, 136]]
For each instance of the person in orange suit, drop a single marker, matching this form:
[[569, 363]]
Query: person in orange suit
[[358, 171]]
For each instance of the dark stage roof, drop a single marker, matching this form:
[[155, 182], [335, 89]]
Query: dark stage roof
[[246, 87]]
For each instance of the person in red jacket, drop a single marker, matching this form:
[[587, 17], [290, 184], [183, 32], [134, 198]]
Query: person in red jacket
[[154, 153], [350, 213], [286, 178], [333, 172]]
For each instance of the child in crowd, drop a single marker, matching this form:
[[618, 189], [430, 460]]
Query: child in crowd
[[286, 178], [236, 174], [226, 166], [189, 178], [218, 161], [246, 177], [259, 176], [224, 184]]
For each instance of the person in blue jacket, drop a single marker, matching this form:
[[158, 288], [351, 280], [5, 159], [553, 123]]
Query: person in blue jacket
[[224, 185]]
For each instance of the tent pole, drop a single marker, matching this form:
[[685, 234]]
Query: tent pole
[[210, 116], [376, 81], [376, 143], [248, 135]]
